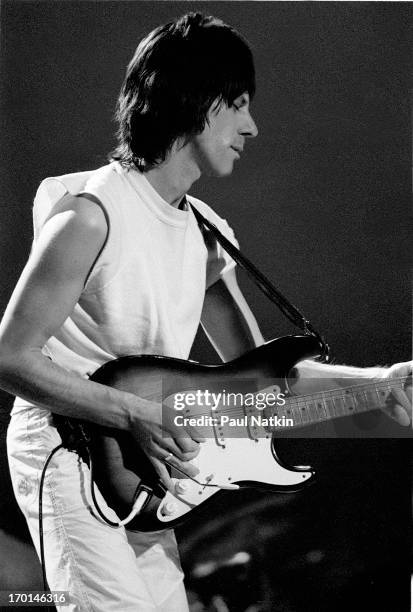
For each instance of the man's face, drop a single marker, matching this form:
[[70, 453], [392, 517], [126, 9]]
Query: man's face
[[222, 140]]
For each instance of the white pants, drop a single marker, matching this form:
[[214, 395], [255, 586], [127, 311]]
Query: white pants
[[103, 568]]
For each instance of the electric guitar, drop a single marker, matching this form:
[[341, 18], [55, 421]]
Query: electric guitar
[[239, 450]]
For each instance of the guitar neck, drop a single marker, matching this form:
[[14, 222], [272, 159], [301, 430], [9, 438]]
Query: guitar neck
[[326, 405]]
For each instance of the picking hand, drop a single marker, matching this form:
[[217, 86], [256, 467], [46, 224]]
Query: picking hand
[[166, 444]]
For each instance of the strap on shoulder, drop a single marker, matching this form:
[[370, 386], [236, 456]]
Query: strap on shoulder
[[264, 284]]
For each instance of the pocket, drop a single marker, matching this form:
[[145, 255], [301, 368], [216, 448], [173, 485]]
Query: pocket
[[30, 439]]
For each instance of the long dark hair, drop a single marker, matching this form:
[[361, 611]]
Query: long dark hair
[[177, 72]]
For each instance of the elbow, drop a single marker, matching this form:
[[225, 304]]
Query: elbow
[[8, 364], [13, 363], [7, 356]]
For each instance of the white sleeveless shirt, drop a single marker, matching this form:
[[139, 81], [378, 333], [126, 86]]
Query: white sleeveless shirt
[[146, 290]]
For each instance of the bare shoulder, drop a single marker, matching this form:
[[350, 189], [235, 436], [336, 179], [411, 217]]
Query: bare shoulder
[[56, 272], [71, 237], [83, 213]]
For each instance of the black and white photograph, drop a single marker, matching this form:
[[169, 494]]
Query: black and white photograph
[[205, 336]]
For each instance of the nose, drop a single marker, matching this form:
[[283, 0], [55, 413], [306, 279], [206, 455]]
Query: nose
[[248, 127]]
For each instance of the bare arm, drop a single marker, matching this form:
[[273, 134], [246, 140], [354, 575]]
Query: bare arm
[[227, 319], [45, 295], [312, 376], [233, 330]]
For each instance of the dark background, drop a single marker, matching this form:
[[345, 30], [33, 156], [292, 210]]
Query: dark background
[[320, 201]]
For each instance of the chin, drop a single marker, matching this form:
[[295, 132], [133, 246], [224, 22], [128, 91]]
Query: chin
[[220, 171]]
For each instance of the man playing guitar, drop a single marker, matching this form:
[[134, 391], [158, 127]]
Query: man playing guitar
[[119, 266]]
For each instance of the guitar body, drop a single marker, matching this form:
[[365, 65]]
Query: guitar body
[[120, 466]]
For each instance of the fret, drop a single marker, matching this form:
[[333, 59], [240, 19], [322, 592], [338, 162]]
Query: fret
[[350, 402], [369, 398], [287, 409], [321, 408], [305, 415], [290, 409], [347, 403], [317, 404], [280, 412], [297, 414], [322, 413], [360, 401], [329, 405], [304, 411], [383, 393], [288, 412], [311, 411], [337, 410], [379, 399]]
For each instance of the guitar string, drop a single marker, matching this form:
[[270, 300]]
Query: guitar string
[[270, 428], [303, 401]]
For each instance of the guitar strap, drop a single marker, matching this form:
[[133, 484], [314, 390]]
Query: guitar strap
[[264, 284]]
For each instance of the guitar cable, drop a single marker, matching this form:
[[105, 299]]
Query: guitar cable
[[141, 498], [41, 537], [76, 439]]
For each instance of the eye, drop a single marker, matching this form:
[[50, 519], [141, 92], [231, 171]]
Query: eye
[[240, 102]]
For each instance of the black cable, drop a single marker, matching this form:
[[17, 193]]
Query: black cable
[[42, 477], [92, 491], [75, 438], [41, 486], [141, 489]]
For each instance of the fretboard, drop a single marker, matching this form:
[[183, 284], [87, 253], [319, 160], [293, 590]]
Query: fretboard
[[340, 402]]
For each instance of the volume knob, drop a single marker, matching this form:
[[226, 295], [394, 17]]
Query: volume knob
[[181, 486], [168, 509]]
